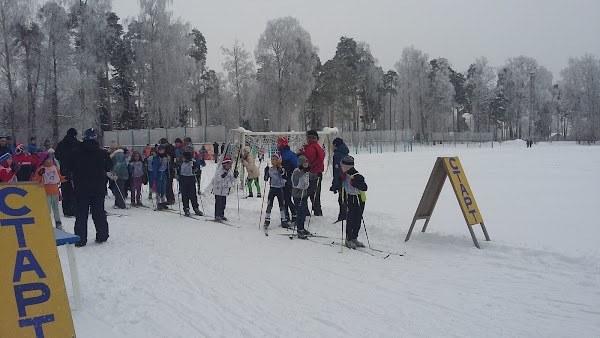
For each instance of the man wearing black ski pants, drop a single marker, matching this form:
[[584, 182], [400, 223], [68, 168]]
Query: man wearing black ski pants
[[90, 166]]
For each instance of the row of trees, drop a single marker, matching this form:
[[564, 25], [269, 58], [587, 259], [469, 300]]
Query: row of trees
[[76, 63]]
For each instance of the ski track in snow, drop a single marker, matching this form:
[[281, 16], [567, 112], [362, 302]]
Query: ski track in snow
[[160, 275]]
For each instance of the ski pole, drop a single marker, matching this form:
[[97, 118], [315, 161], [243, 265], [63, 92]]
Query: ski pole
[[310, 214], [262, 204], [178, 194], [366, 233], [121, 193]]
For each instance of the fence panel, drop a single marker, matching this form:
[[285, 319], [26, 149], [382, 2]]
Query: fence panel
[[141, 137]]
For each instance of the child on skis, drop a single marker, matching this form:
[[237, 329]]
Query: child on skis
[[222, 183], [188, 170], [161, 166], [137, 170], [300, 184], [352, 185], [49, 176], [276, 174], [253, 172]]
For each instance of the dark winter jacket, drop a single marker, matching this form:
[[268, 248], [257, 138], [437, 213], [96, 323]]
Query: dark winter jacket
[[289, 162], [64, 153], [89, 167], [216, 149], [339, 153]]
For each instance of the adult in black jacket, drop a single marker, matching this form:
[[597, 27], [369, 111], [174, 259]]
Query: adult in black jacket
[[89, 167], [340, 151], [64, 153], [216, 151]]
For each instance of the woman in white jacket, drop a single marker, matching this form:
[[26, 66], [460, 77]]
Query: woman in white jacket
[[222, 183]]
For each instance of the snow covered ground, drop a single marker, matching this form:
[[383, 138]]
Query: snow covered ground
[[160, 275]]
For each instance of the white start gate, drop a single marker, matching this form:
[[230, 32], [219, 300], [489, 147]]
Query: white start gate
[[264, 144]]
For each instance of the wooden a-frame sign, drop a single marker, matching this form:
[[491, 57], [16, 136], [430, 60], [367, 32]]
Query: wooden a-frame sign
[[449, 167]]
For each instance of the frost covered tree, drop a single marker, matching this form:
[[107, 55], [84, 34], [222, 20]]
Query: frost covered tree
[[286, 60], [30, 38], [413, 69], [580, 87], [12, 14], [55, 23], [440, 99], [527, 86], [240, 70], [480, 83]]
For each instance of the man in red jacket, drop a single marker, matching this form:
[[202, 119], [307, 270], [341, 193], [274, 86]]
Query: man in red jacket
[[316, 157]]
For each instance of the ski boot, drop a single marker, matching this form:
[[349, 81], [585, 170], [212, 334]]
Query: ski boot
[[59, 225], [258, 195], [302, 234], [349, 244], [224, 219], [357, 243], [198, 212], [285, 224], [267, 223], [250, 195], [186, 212]]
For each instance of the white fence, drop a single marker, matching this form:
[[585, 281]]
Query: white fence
[[140, 137]]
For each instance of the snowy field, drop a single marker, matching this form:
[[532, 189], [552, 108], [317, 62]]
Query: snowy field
[[160, 275]]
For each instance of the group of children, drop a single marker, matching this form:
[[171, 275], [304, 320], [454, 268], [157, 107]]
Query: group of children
[[294, 179], [157, 169]]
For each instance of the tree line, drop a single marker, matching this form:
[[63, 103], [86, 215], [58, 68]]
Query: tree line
[[76, 63]]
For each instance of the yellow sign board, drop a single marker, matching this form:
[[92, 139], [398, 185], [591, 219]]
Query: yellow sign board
[[449, 167], [462, 190], [33, 298]]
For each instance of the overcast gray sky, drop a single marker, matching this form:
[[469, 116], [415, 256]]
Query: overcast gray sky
[[460, 30]]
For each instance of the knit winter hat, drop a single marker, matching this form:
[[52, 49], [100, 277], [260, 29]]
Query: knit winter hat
[[114, 144], [178, 140], [90, 134], [226, 160], [276, 157], [187, 155], [5, 157], [301, 160], [348, 161], [337, 142], [282, 141], [312, 132], [72, 132]]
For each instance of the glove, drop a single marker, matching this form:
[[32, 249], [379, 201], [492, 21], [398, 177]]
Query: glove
[[112, 175], [224, 174], [42, 171], [236, 173], [333, 189], [280, 171]]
